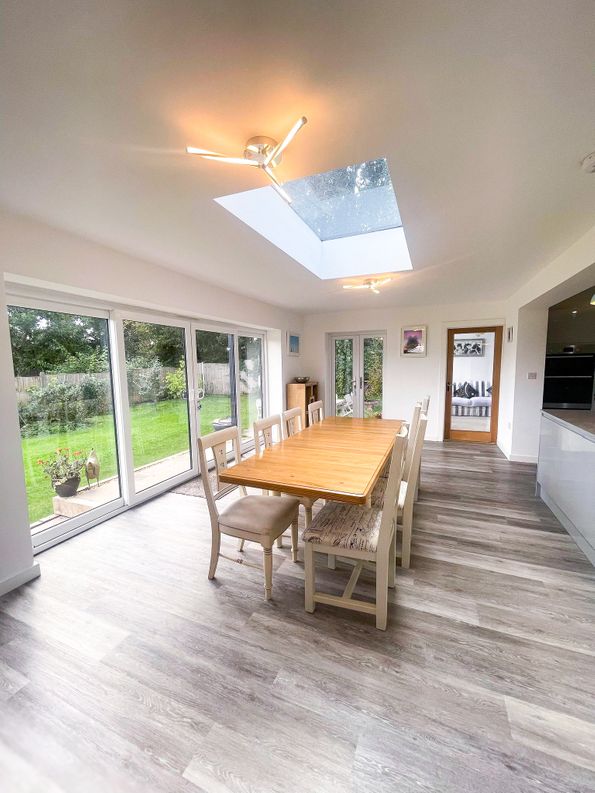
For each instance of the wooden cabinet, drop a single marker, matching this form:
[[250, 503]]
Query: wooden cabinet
[[299, 395]]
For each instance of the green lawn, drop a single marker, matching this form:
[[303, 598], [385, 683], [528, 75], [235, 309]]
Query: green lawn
[[158, 430]]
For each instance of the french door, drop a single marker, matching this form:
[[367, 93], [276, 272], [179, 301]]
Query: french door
[[357, 374]]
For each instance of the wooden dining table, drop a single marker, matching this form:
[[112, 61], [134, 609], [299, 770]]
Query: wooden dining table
[[338, 459]]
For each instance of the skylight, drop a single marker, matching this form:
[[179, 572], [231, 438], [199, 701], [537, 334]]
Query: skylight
[[358, 199], [339, 224]]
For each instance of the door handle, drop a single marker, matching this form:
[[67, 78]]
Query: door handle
[[447, 387], [361, 383]]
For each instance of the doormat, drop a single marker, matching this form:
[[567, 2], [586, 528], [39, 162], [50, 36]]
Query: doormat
[[194, 487]]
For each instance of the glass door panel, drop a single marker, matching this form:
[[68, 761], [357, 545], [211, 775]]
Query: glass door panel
[[158, 401], [250, 366], [472, 368], [344, 381], [215, 381], [373, 359], [63, 381]]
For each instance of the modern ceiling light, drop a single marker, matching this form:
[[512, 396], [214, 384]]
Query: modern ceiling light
[[371, 284], [593, 300], [260, 152]]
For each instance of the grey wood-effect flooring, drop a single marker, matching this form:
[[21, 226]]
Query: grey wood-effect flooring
[[124, 669]]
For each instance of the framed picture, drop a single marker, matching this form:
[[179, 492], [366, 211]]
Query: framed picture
[[413, 341], [293, 343], [470, 348]]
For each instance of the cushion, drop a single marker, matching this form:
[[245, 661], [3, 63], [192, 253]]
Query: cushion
[[459, 391], [345, 526], [460, 401], [481, 402], [260, 514], [470, 391], [489, 389]]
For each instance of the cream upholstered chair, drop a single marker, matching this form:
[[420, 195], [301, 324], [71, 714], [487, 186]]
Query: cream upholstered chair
[[292, 422], [264, 436], [256, 518], [363, 534], [315, 412], [425, 406], [406, 491]]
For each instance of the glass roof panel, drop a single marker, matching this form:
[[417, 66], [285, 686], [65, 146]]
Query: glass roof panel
[[354, 200]]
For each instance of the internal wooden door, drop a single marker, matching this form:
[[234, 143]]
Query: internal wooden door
[[473, 384]]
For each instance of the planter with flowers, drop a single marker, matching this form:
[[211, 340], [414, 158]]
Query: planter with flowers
[[64, 470]]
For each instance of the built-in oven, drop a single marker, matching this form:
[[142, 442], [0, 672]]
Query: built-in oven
[[569, 381]]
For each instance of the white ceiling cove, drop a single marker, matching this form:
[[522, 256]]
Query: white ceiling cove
[[483, 110]]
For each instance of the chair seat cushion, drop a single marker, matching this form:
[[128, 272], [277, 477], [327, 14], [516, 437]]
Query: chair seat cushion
[[380, 489], [345, 526], [460, 401], [260, 514]]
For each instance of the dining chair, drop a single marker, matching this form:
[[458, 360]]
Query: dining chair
[[425, 405], [362, 534], [264, 437], [259, 519], [263, 429], [315, 412], [292, 422], [407, 490]]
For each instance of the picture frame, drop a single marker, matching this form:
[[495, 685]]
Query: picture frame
[[469, 348], [294, 343], [414, 341]]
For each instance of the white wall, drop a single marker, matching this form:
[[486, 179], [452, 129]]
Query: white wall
[[16, 556], [407, 379]]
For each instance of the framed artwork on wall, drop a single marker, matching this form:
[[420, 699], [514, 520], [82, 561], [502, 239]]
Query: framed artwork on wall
[[469, 348], [413, 341], [293, 343]]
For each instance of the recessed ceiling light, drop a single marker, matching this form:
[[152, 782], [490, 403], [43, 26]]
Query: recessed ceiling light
[[574, 311], [593, 300]]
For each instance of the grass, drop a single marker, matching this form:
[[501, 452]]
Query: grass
[[158, 430]]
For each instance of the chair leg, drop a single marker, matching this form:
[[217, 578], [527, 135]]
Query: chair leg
[[406, 530], [294, 540], [267, 563], [280, 541], [332, 561], [310, 577], [382, 576], [215, 548], [241, 545], [392, 561]]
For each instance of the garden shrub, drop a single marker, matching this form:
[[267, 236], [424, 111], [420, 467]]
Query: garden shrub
[[145, 380], [97, 396], [175, 382], [54, 408]]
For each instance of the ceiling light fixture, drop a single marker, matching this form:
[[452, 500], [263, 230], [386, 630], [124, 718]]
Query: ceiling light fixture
[[260, 152], [371, 284], [593, 300]]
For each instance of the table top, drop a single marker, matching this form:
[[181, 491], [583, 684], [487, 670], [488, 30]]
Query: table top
[[338, 459]]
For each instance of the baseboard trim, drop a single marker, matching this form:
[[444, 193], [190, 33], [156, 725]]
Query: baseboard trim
[[523, 458], [19, 579], [585, 547]]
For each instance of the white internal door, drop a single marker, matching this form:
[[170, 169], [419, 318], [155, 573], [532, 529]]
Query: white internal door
[[356, 374]]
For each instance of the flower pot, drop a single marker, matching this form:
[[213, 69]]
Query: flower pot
[[68, 488]]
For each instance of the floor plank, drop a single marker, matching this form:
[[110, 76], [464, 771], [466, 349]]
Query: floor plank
[[123, 668]]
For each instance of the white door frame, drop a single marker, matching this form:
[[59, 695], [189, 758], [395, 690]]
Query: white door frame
[[357, 339]]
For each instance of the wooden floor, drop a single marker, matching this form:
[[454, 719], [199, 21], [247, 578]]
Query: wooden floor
[[123, 669]]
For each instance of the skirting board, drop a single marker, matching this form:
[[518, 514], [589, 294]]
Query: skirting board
[[523, 458], [19, 579], [585, 547]]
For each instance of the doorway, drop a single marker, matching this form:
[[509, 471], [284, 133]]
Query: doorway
[[473, 384], [357, 374]]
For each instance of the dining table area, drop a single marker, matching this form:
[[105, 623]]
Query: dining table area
[[336, 459]]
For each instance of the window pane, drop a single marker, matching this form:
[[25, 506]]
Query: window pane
[[473, 364], [64, 392], [373, 357], [215, 385], [158, 397], [344, 377], [250, 354]]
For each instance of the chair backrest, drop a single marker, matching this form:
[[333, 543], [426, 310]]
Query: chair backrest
[[393, 485], [413, 472], [292, 422], [264, 432], [217, 442], [315, 412], [425, 405], [411, 439]]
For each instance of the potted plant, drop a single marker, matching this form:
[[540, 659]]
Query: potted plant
[[64, 470]]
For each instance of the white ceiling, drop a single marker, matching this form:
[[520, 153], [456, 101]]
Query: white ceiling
[[484, 111]]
